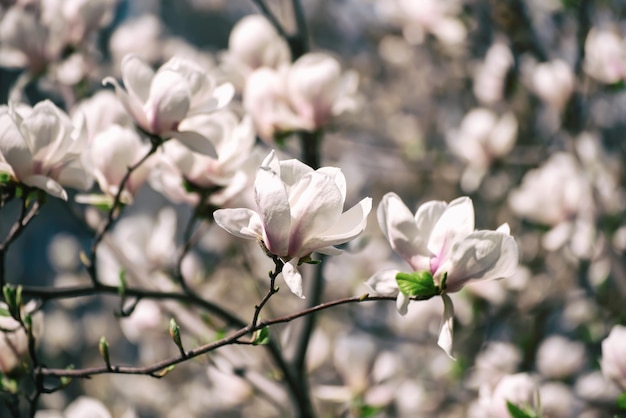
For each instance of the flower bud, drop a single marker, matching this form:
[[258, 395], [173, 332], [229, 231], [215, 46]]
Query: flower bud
[[613, 361]]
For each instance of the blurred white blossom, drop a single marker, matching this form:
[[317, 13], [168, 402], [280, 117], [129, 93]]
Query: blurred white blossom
[[254, 43], [553, 82], [490, 76], [520, 389], [558, 357], [605, 56], [613, 361], [482, 138]]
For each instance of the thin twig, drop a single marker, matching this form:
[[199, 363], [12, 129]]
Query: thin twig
[[111, 217], [271, 17], [154, 369]]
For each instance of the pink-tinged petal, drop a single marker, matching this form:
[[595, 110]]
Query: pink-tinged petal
[[74, 175], [291, 171], [131, 103], [47, 185], [447, 326], [196, 142], [426, 218], [316, 205], [455, 223], [384, 283], [137, 77], [273, 203], [398, 224], [242, 223], [483, 255], [13, 148], [168, 102], [349, 225], [293, 278]]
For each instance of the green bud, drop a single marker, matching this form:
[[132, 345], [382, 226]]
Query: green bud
[[103, 347], [175, 334]]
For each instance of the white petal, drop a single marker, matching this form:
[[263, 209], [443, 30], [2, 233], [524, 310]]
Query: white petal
[[293, 278], [384, 283], [399, 226], [316, 205], [455, 223], [447, 326], [131, 103], [481, 256], [196, 142], [242, 223], [137, 76], [168, 102], [291, 171], [402, 303], [349, 225], [13, 148], [273, 203], [47, 185]]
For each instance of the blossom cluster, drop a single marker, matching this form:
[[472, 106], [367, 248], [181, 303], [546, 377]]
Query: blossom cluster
[[398, 153]]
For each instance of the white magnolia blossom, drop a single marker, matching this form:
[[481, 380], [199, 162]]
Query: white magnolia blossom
[[553, 82], [558, 357], [440, 239], [481, 138], [613, 361], [100, 111], [305, 96], [299, 211], [255, 43], [41, 148], [233, 139], [83, 17], [520, 389], [141, 36], [419, 18], [490, 76], [605, 56], [159, 101], [558, 194], [28, 42], [108, 157]]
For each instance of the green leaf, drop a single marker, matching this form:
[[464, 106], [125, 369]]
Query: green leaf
[[4, 312], [419, 283], [621, 401], [262, 336], [5, 178], [517, 412], [121, 290]]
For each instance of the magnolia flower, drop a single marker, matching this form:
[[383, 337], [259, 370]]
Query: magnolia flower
[[40, 147], [490, 76], [520, 389], [255, 43], [440, 240], [99, 112], [159, 102], [306, 96], [558, 357], [319, 91], [83, 17], [299, 211], [108, 157], [605, 56], [27, 41], [232, 138], [481, 138], [420, 18], [613, 362], [558, 194], [553, 82]]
